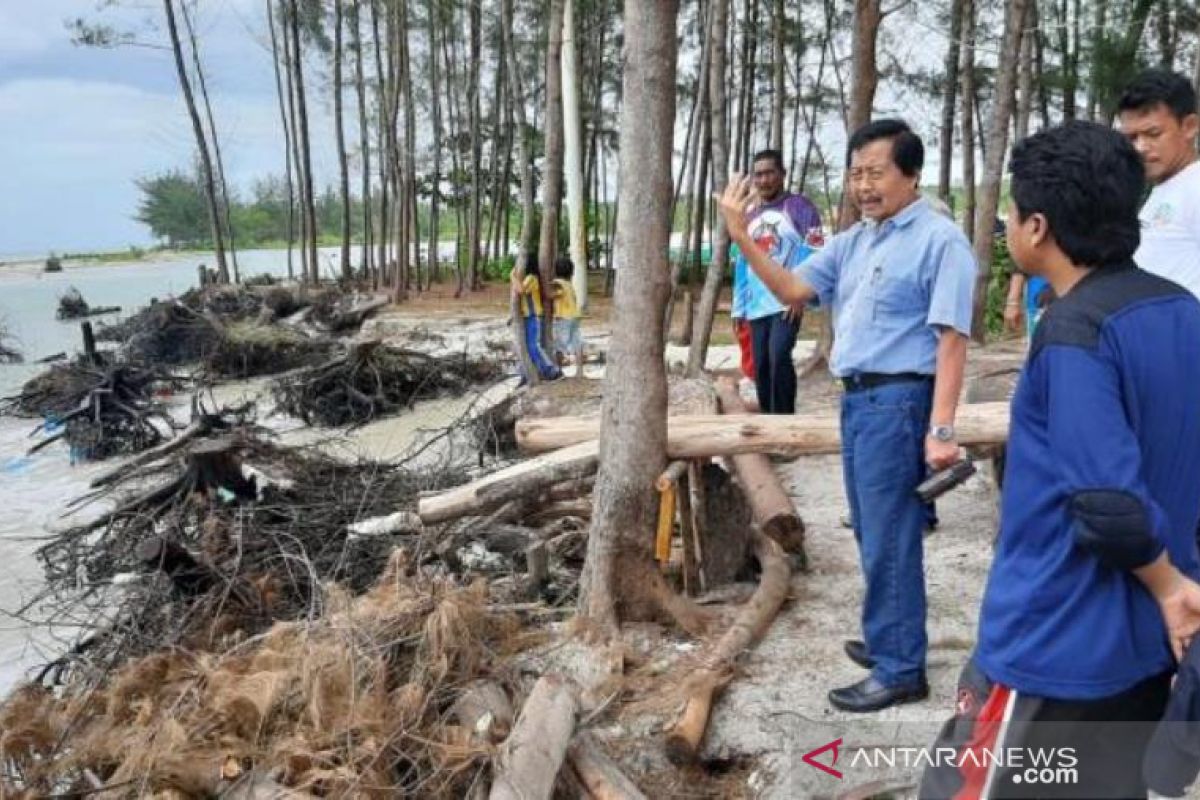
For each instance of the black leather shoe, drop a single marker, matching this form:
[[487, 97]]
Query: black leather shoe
[[857, 651], [870, 695]]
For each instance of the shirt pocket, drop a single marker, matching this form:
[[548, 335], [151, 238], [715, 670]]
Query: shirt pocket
[[898, 299]]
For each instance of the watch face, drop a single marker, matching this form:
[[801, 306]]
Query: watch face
[[943, 434]]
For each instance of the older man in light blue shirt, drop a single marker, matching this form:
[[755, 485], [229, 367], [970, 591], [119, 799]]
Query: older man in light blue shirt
[[900, 284]]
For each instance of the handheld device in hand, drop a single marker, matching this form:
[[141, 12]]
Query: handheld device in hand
[[939, 483]]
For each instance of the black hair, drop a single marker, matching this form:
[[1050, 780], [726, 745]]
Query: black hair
[[564, 267], [1088, 182], [1155, 86], [773, 155], [532, 267], [908, 153]]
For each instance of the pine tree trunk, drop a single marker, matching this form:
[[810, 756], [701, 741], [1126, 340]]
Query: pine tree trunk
[[949, 98], [528, 238], [778, 96], [1039, 67], [222, 185], [364, 141], [206, 168], [294, 118], [339, 125], [435, 111], [1167, 36], [1098, 37], [573, 154], [552, 183], [997, 147], [287, 131], [719, 131], [475, 223], [619, 576], [412, 232], [308, 202], [382, 273], [1025, 76], [864, 78], [967, 71], [697, 124], [751, 80]]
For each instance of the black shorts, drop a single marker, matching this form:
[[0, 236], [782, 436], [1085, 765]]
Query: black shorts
[[1004, 744]]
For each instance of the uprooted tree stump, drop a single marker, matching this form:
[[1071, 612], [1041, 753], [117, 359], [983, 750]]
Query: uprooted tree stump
[[99, 410], [71, 305], [372, 380]]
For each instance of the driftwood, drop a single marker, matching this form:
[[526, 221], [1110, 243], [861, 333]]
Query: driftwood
[[773, 510], [354, 317], [530, 758], [599, 774], [522, 479], [683, 741], [704, 436]]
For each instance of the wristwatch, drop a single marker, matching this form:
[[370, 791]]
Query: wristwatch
[[943, 433]]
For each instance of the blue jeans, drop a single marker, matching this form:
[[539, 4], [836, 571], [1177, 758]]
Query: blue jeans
[[547, 370], [773, 338], [883, 459]]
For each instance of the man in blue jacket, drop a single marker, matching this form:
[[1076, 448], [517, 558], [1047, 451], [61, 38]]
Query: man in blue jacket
[[1092, 584]]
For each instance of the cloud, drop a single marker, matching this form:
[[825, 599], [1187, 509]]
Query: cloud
[[70, 151]]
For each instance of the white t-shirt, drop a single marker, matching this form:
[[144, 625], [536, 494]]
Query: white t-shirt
[[1171, 230]]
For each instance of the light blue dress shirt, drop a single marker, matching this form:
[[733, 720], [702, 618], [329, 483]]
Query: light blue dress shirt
[[891, 286]]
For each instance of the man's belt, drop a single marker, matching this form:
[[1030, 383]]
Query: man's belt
[[870, 380]]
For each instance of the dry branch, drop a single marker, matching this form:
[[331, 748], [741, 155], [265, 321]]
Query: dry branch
[[599, 774], [683, 741], [526, 477]]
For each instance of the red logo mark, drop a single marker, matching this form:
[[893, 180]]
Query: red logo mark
[[810, 758]]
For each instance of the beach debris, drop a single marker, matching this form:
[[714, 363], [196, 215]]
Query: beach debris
[[100, 410], [71, 305], [372, 379], [9, 354]]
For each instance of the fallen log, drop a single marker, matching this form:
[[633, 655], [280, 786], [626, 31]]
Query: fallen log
[[705, 435], [522, 479], [683, 741], [773, 510], [355, 316], [599, 774], [483, 708], [530, 757]]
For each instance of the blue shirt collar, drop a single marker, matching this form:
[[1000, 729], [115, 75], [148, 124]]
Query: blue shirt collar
[[904, 218]]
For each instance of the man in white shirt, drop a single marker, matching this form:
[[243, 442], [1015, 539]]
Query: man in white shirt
[[1158, 114]]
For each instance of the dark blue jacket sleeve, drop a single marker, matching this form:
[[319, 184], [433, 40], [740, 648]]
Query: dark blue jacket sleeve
[[1098, 454]]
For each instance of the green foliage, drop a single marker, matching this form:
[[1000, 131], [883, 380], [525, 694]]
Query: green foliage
[[174, 208], [498, 270], [997, 290]]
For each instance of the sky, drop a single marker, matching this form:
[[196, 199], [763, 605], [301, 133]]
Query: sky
[[80, 125]]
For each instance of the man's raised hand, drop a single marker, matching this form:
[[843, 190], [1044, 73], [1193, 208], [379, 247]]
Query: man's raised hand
[[733, 204]]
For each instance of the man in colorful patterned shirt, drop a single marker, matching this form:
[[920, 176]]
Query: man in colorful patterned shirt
[[780, 225]]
